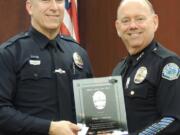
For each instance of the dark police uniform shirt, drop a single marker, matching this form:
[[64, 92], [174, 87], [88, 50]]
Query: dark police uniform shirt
[[151, 85], [36, 82]]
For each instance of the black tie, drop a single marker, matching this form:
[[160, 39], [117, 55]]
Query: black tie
[[127, 67], [52, 44]]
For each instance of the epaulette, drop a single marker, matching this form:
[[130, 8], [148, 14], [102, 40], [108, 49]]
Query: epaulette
[[123, 58], [10, 41], [122, 61], [119, 68], [68, 38], [163, 52]]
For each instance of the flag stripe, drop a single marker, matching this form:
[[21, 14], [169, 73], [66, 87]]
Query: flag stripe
[[75, 19], [70, 22]]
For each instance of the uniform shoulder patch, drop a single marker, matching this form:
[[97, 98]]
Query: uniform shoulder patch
[[171, 71], [119, 68]]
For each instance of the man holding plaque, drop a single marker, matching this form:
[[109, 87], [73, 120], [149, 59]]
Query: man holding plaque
[[37, 68], [150, 73]]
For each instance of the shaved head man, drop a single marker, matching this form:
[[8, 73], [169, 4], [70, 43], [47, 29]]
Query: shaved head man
[[37, 70], [150, 72]]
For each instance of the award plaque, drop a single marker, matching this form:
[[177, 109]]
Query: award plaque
[[100, 103]]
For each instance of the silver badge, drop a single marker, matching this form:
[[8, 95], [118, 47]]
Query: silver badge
[[171, 71], [140, 75], [78, 60]]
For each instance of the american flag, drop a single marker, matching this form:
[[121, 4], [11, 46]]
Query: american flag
[[70, 22]]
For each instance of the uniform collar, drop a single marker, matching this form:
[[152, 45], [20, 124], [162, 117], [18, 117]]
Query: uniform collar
[[42, 40], [137, 57]]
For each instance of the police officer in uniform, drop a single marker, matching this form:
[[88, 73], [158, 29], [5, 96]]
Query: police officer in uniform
[[37, 69], [150, 73]]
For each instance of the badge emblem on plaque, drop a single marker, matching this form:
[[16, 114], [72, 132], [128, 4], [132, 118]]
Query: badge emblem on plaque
[[99, 99]]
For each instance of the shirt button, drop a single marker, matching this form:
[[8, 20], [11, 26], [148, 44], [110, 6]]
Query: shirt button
[[35, 75], [132, 93]]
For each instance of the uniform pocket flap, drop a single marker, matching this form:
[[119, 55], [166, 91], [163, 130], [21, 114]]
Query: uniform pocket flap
[[35, 74]]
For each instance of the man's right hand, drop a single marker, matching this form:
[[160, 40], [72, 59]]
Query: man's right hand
[[63, 128]]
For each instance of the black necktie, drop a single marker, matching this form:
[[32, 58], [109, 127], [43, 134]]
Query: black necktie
[[52, 44], [128, 65]]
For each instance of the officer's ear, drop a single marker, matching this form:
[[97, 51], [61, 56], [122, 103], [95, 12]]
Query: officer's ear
[[155, 21], [118, 27], [29, 6]]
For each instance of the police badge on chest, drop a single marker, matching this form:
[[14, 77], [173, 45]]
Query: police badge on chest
[[140, 75]]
